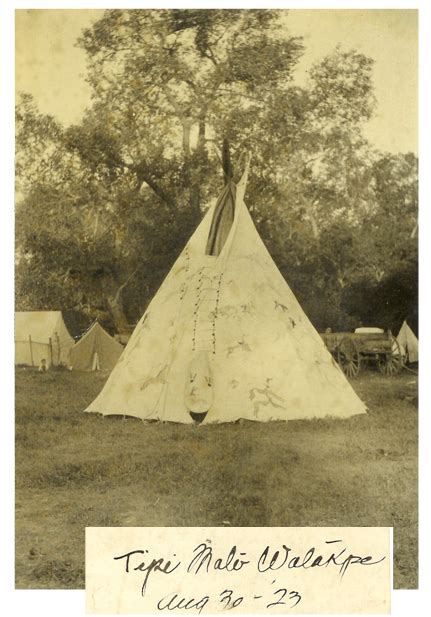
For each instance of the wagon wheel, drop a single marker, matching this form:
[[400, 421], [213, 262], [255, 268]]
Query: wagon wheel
[[348, 357], [390, 363]]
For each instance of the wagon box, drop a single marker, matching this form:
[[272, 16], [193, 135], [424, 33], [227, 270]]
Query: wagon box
[[353, 350]]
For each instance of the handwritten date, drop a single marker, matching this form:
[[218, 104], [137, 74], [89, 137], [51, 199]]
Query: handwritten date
[[227, 599]]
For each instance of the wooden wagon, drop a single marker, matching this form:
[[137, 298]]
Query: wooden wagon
[[354, 350]]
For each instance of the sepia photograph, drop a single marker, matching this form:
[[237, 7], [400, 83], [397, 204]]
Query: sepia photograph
[[216, 275]]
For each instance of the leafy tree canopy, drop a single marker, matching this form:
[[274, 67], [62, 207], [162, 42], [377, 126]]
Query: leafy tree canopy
[[106, 205]]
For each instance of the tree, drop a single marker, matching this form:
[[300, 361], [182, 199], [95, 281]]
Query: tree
[[385, 289], [134, 167], [175, 81], [126, 186], [37, 136], [389, 236]]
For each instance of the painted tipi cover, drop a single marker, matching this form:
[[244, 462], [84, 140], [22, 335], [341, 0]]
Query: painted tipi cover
[[408, 341], [41, 335], [225, 336], [96, 350]]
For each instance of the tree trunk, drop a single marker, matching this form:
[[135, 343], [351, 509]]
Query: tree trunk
[[195, 199], [195, 170], [187, 127], [314, 227], [311, 218], [201, 134], [116, 309]]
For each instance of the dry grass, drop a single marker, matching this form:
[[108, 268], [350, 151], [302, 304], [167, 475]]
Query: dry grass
[[75, 469]]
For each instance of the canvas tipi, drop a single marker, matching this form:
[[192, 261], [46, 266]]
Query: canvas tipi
[[409, 343], [224, 338], [41, 335], [96, 350]]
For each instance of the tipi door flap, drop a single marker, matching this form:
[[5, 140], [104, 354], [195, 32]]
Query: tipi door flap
[[96, 364], [198, 396]]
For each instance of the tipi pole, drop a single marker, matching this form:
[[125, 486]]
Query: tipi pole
[[50, 351], [31, 350], [57, 338], [227, 162]]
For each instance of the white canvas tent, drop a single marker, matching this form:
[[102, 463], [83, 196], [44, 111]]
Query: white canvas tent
[[409, 343], [225, 336], [41, 335], [96, 350]]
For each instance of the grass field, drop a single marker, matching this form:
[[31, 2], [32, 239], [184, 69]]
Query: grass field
[[75, 470]]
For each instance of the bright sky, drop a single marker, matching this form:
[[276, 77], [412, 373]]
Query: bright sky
[[49, 66]]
